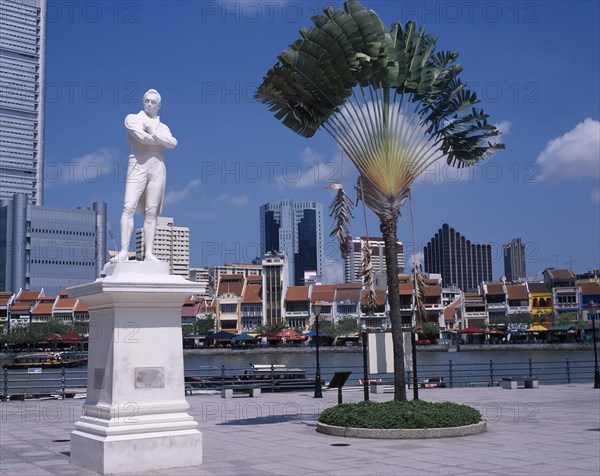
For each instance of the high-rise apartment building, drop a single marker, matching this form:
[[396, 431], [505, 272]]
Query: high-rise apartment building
[[461, 263], [245, 269], [274, 287], [200, 275], [353, 262], [171, 244], [294, 228], [514, 260], [50, 248], [22, 73]]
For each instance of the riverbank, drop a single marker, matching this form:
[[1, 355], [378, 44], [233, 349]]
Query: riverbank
[[420, 348]]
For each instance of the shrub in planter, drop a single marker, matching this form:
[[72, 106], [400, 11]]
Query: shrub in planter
[[397, 414]]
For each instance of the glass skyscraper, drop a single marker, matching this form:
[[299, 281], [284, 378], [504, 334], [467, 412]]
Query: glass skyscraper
[[461, 263], [22, 73], [514, 260], [294, 228]]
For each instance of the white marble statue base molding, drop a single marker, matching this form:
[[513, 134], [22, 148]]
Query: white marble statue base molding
[[135, 416]]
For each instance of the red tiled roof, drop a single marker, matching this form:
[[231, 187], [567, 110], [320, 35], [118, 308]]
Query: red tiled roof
[[561, 273], [590, 289], [297, 293], [495, 288], [42, 308], [253, 290], [29, 295], [348, 292], [81, 307], [4, 298], [21, 306], [189, 310], [432, 290], [516, 291], [231, 284], [405, 289], [323, 292], [451, 309], [538, 288], [379, 294], [473, 297], [65, 303]]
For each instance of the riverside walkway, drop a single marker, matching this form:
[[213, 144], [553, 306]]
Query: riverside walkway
[[551, 430]]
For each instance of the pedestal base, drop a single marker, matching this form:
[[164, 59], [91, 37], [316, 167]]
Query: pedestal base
[[136, 453], [135, 416]]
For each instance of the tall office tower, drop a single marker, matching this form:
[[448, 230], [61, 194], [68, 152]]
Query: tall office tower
[[22, 72], [294, 228], [461, 263], [353, 262], [171, 244], [50, 248], [514, 260], [275, 281]]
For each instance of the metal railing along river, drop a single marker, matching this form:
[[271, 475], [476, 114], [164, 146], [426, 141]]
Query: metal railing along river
[[71, 382]]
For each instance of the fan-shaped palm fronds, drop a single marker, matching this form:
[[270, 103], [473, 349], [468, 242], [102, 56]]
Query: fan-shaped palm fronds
[[393, 104]]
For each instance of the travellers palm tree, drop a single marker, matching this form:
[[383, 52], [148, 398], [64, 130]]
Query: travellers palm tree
[[393, 105]]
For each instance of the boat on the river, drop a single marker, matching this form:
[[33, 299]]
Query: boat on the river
[[276, 377], [48, 360]]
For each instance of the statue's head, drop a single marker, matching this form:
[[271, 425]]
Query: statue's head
[[152, 101]]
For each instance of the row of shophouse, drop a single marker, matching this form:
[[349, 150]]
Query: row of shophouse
[[242, 303], [30, 307]]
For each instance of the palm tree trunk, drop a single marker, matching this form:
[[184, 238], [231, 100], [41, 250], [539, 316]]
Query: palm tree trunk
[[388, 227]]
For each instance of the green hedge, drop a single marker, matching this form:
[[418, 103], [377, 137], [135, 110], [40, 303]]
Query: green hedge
[[400, 415]]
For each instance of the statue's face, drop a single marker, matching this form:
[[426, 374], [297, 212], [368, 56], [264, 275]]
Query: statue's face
[[151, 104]]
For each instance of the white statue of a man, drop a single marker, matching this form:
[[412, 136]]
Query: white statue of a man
[[146, 173]]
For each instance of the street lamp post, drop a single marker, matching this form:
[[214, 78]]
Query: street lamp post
[[318, 389], [592, 313]]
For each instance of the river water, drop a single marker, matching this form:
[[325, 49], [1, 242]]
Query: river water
[[472, 366], [465, 368]]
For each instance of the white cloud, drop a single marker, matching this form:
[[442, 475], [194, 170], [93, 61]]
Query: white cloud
[[409, 260], [504, 127], [91, 167], [573, 156], [310, 156], [313, 168], [595, 195], [333, 271], [181, 194], [236, 201]]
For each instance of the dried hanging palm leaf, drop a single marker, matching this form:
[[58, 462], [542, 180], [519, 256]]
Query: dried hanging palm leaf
[[419, 302], [341, 211], [369, 301]]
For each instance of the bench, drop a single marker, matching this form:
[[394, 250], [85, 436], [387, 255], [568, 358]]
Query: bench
[[249, 390], [512, 383]]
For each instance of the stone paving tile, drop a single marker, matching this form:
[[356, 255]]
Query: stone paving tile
[[239, 438]]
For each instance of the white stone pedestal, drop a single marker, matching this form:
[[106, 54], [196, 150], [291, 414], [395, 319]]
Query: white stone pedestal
[[135, 416]]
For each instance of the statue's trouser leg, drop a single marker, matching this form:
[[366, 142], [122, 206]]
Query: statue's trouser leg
[[134, 187], [154, 196]]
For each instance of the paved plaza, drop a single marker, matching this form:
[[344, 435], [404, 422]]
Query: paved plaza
[[551, 430]]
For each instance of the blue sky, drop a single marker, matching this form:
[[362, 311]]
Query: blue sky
[[535, 65]]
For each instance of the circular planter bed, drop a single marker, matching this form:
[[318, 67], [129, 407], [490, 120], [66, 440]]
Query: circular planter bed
[[419, 433], [401, 420]]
